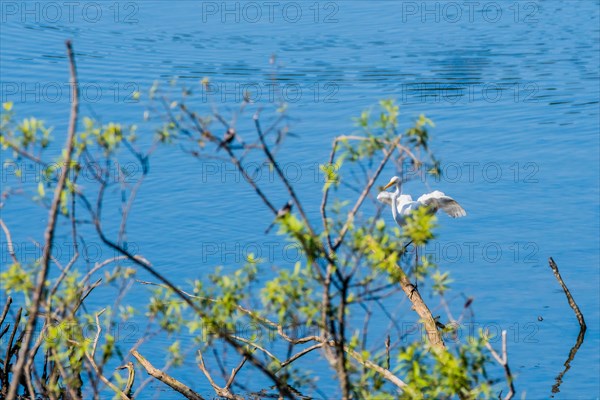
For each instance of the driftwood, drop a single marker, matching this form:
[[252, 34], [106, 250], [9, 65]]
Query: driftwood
[[580, 319]]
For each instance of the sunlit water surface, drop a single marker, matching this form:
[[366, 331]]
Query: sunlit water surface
[[515, 102]]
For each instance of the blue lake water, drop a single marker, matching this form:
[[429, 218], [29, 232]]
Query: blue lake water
[[513, 88]]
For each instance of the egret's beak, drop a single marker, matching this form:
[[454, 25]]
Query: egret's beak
[[388, 185]]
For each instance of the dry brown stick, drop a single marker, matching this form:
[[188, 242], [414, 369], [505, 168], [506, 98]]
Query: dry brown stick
[[382, 371], [433, 334], [29, 384], [166, 379], [572, 303], [204, 370], [49, 234], [4, 330], [503, 361], [149, 379]]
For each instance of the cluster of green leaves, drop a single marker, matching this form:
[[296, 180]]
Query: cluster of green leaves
[[419, 226], [18, 279], [382, 248], [70, 328], [291, 296], [30, 132], [219, 299], [443, 374], [378, 132]]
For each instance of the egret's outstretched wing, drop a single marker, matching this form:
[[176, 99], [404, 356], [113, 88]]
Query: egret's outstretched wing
[[386, 198], [438, 200]]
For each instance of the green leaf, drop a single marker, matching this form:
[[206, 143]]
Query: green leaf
[[41, 190]]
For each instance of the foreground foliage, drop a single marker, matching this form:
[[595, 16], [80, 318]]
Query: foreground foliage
[[303, 317]]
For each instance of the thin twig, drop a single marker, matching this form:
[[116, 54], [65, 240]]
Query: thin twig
[[301, 353], [108, 383], [5, 310], [9, 347], [98, 331], [234, 372], [220, 391], [277, 168], [9, 242]]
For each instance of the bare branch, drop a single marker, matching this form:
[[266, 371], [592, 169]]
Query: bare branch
[[572, 303], [277, 168], [98, 331], [221, 391], [5, 310], [9, 347], [234, 372], [49, 234], [301, 353], [503, 361], [130, 377], [166, 379], [256, 346], [9, 242], [431, 329]]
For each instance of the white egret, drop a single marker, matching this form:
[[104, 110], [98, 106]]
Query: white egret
[[404, 204]]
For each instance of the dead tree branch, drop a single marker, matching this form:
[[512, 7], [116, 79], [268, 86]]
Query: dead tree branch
[[503, 361], [582, 326], [49, 234], [166, 379], [572, 303]]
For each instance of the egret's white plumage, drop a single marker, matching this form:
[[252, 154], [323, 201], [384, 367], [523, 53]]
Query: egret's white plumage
[[435, 201]]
